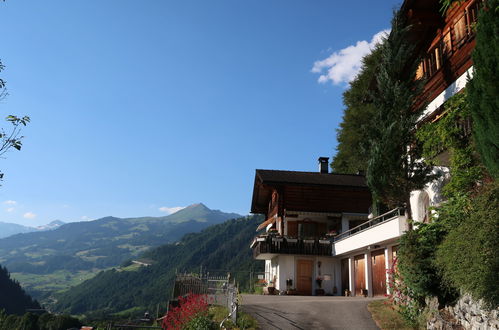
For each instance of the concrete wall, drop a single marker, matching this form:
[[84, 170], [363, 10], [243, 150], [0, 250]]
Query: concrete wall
[[434, 191], [286, 270], [391, 229]]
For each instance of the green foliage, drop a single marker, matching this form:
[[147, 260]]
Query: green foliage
[[446, 4], [353, 133], [10, 138], [200, 322], [31, 321], [446, 134], [219, 247], [484, 89], [13, 299], [393, 170], [468, 256], [417, 263]]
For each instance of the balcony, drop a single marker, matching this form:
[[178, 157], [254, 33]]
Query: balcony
[[267, 247], [381, 229]]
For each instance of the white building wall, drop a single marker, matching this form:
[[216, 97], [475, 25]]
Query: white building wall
[[286, 270], [327, 270], [386, 231]]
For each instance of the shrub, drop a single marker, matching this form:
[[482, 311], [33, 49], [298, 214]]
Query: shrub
[[468, 256], [192, 308]]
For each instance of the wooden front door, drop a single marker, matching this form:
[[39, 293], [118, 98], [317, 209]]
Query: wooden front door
[[304, 270], [344, 276], [379, 272], [360, 274]]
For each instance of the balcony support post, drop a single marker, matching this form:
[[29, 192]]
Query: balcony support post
[[351, 276], [388, 266], [368, 268]]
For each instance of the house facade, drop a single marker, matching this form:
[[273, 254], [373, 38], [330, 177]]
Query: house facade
[[319, 237], [446, 42]]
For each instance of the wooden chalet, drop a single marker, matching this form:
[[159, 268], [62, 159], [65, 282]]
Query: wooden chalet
[[318, 236], [446, 43]]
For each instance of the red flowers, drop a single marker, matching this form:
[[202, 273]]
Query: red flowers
[[190, 307]]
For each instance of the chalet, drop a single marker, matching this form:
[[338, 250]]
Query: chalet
[[319, 237], [446, 42]]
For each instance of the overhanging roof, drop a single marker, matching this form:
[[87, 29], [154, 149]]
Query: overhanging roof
[[267, 180]]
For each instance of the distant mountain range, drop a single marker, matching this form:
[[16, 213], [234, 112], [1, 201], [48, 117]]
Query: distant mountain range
[[130, 290], [92, 246], [8, 229]]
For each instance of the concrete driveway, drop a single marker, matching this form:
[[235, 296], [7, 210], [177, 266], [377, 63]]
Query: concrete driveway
[[309, 312]]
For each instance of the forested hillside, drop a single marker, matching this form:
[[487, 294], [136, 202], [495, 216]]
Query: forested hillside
[[219, 247], [13, 299], [54, 260]]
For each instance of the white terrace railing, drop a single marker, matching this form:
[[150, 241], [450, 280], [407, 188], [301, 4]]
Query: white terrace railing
[[370, 223]]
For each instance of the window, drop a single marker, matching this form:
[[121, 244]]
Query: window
[[447, 44], [472, 11], [460, 30], [431, 63], [307, 229]]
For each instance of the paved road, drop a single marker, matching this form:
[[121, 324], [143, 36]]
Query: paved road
[[307, 313]]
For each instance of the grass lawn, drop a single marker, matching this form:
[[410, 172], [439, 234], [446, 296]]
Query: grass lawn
[[386, 317]]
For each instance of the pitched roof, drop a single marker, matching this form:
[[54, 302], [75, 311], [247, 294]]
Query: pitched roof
[[310, 178]]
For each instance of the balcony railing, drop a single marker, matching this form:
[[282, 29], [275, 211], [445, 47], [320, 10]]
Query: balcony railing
[[267, 246], [371, 223]]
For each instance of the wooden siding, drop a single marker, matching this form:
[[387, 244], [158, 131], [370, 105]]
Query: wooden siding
[[314, 199], [378, 272], [448, 43]]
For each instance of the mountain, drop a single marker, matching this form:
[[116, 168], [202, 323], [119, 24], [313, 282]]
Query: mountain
[[8, 229], [80, 249], [13, 299], [51, 226], [219, 248]]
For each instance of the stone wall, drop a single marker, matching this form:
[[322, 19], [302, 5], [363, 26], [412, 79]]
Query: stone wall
[[465, 314]]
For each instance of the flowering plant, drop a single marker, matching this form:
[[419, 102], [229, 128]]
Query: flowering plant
[[192, 307]]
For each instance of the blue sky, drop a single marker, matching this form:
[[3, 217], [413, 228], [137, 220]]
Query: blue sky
[[142, 106]]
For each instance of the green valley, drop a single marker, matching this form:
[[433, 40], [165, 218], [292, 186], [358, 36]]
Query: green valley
[[48, 261], [133, 290]]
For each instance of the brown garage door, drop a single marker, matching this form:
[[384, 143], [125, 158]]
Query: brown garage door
[[379, 272], [360, 274]]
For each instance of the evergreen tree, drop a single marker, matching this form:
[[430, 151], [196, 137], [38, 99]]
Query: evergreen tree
[[483, 91], [393, 169], [12, 297], [352, 149]]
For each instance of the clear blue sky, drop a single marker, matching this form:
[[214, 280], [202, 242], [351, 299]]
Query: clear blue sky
[[142, 105]]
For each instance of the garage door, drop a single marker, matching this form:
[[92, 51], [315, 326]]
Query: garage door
[[379, 272]]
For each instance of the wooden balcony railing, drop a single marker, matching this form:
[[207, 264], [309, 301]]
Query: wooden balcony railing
[[289, 245]]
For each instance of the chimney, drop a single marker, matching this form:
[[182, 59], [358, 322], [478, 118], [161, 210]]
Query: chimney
[[324, 164]]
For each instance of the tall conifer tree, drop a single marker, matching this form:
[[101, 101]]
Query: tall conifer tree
[[394, 169], [483, 91]]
